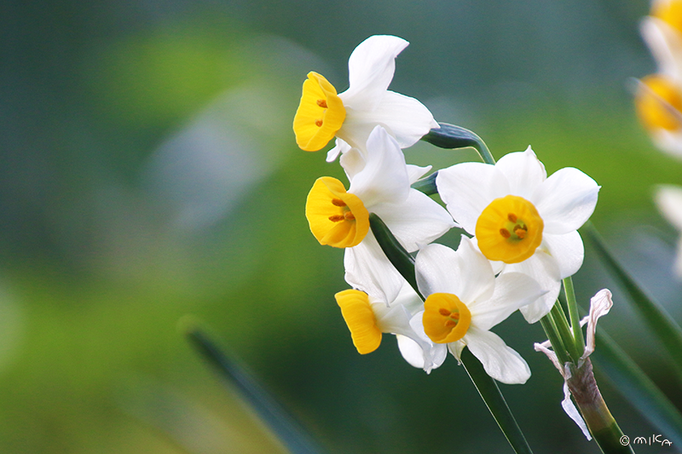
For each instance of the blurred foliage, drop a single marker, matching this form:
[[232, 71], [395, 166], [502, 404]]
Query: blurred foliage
[[148, 171]]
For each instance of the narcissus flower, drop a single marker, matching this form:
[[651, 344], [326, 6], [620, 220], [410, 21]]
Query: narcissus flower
[[368, 317], [522, 219], [464, 300], [350, 116], [379, 183], [659, 96], [668, 199]]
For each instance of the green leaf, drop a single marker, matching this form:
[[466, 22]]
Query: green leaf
[[637, 388], [660, 323], [453, 136], [490, 393], [283, 425], [485, 385]]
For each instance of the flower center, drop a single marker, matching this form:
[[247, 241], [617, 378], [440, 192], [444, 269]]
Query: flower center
[[669, 12], [320, 113], [659, 103], [361, 321], [336, 217], [446, 318], [509, 229]]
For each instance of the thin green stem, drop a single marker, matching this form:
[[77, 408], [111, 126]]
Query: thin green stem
[[557, 344], [557, 314], [572, 304]]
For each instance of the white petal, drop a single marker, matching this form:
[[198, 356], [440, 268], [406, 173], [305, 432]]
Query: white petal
[[384, 177], [370, 70], [437, 268], [501, 362], [340, 147], [414, 173], [476, 281], [405, 118], [353, 162], [668, 199], [432, 355], [545, 271], [416, 221], [566, 200], [368, 269], [512, 291], [568, 251], [411, 351], [524, 171], [468, 188]]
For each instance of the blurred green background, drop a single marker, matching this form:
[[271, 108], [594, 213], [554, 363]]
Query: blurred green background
[[148, 173]]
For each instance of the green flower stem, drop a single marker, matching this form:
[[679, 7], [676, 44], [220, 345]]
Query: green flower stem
[[557, 344], [452, 137], [557, 314], [596, 414], [572, 304]]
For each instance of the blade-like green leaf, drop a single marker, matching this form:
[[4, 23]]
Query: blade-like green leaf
[[660, 323], [485, 385], [637, 388], [453, 136], [490, 393], [283, 425]]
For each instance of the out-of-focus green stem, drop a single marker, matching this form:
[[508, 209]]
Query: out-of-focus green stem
[[573, 315]]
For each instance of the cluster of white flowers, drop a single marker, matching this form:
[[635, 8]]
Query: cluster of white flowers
[[659, 100], [519, 226]]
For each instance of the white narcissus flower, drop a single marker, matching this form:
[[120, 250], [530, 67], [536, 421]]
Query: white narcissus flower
[[368, 317], [668, 199], [379, 183], [659, 96], [523, 219], [352, 115], [464, 300]]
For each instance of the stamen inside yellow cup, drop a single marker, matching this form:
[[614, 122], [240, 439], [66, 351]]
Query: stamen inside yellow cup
[[509, 229]]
